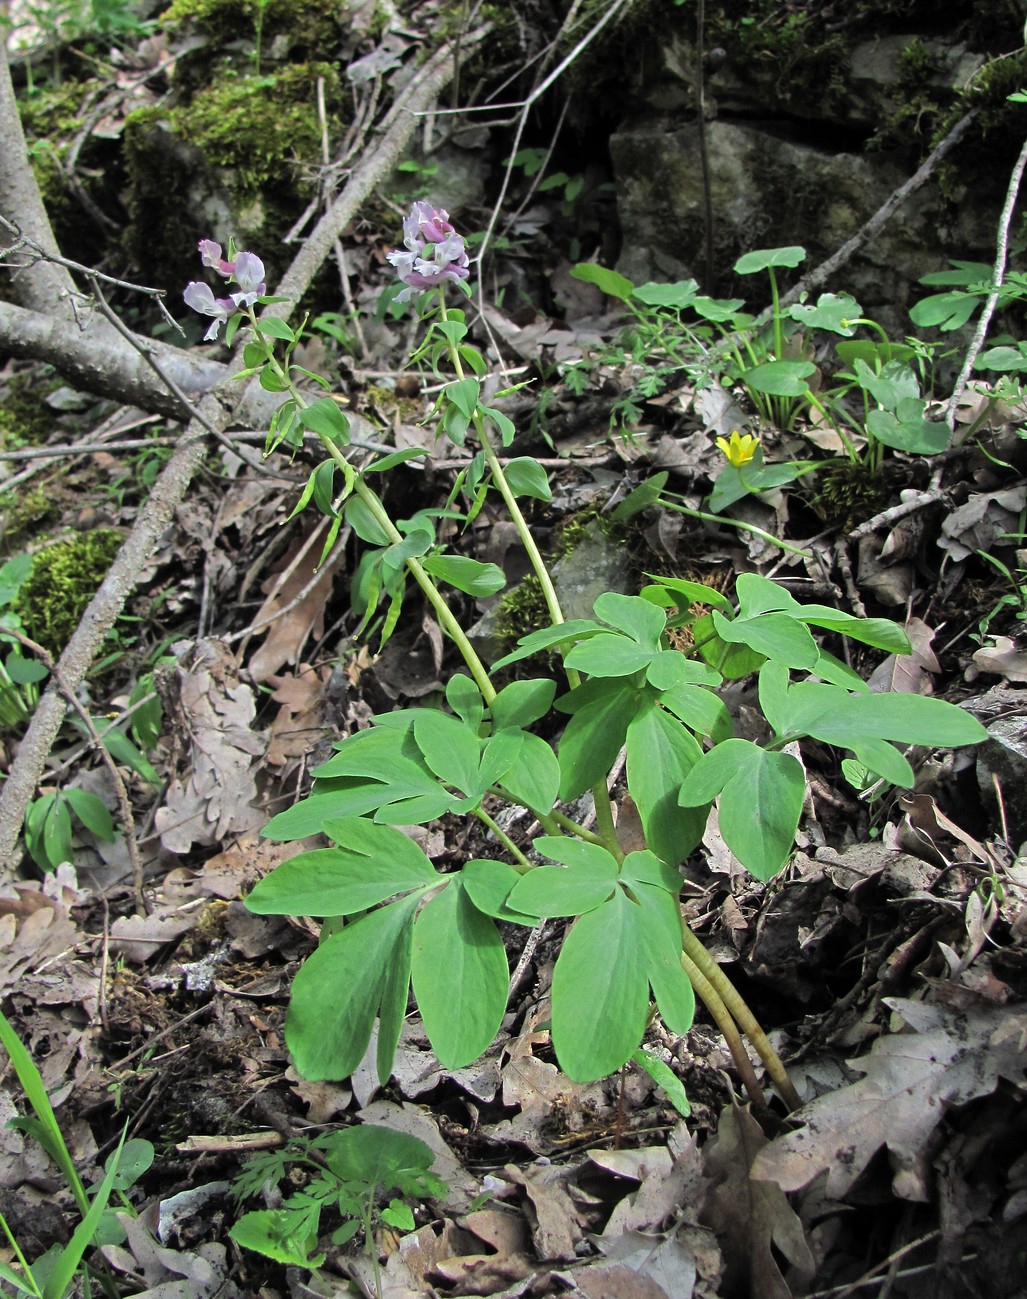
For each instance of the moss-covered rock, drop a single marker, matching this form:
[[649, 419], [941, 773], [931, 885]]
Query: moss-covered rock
[[63, 580], [239, 158]]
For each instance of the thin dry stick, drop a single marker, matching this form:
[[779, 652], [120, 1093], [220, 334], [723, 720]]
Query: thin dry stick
[[997, 278], [124, 804]]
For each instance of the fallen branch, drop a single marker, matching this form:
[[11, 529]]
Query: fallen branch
[[215, 410]]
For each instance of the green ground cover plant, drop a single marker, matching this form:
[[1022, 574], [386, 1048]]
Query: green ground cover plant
[[53, 1274], [392, 921], [349, 1172]]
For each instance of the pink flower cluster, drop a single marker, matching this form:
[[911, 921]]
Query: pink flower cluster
[[434, 252], [248, 273]]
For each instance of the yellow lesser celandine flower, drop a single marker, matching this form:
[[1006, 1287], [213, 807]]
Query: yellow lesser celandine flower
[[740, 449]]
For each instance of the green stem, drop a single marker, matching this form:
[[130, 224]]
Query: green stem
[[503, 838], [710, 998], [434, 596], [600, 794], [735, 523], [700, 959], [572, 827]]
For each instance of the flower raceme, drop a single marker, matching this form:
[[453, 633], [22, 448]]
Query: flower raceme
[[740, 449], [247, 271], [434, 252]]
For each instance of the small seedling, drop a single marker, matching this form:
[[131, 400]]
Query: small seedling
[[351, 1173]]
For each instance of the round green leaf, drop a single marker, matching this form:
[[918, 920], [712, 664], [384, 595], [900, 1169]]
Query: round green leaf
[[761, 259]]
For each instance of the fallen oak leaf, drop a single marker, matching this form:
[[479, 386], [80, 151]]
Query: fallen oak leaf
[[910, 1080], [750, 1215]]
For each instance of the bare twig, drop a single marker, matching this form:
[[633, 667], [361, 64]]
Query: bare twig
[[124, 803], [997, 278]]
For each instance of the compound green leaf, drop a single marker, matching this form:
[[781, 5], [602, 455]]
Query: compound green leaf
[[640, 619], [575, 852], [777, 636], [523, 702], [374, 863], [595, 734], [534, 777], [701, 710], [661, 931], [450, 748], [460, 976], [564, 890], [609, 655], [761, 798], [488, 884], [546, 637]]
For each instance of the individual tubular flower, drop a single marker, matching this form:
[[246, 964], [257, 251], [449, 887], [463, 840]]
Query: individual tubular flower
[[434, 252], [248, 271], [740, 449], [210, 255], [201, 298]]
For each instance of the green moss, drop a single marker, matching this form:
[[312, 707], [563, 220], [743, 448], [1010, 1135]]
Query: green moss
[[257, 125], [521, 611], [24, 513], [25, 418], [313, 24], [63, 580]]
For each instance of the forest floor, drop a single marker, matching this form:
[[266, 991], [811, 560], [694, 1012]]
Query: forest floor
[[887, 962]]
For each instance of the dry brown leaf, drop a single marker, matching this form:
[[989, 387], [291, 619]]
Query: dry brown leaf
[[909, 673], [297, 725], [910, 1079], [979, 523], [288, 634], [557, 1224], [215, 711], [1003, 658], [752, 1218]]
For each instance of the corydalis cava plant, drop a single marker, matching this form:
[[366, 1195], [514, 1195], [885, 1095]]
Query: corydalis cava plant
[[392, 919]]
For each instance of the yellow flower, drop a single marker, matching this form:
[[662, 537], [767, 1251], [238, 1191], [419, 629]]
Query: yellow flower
[[741, 448]]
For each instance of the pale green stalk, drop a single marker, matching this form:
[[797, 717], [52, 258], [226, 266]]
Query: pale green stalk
[[600, 794], [381, 516], [696, 958]]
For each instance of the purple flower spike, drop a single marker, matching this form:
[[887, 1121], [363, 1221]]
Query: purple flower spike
[[201, 298], [210, 255], [434, 251]]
